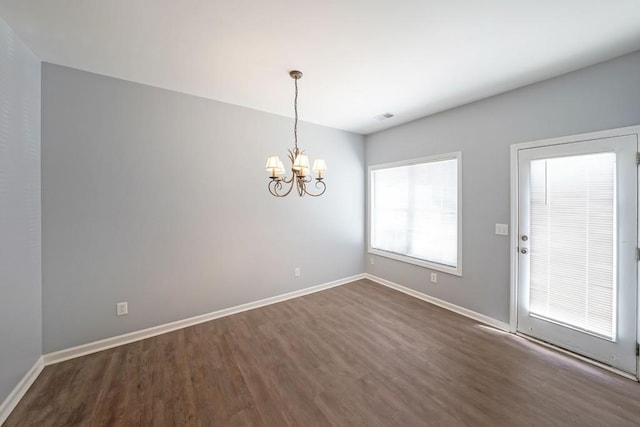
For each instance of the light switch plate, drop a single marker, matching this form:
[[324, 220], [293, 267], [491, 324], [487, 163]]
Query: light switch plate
[[502, 229]]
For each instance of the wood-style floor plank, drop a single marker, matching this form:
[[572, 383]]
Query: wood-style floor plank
[[358, 354]]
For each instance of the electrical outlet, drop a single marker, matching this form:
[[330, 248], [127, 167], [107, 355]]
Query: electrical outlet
[[434, 278], [372, 261], [122, 308], [297, 272]]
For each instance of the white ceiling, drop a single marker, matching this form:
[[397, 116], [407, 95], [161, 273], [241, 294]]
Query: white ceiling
[[360, 57]]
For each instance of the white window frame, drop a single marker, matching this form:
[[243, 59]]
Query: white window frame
[[457, 271]]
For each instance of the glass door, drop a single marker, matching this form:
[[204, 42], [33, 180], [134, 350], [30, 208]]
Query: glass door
[[577, 248]]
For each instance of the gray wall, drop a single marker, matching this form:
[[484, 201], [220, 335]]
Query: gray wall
[[160, 199], [600, 97], [20, 267]]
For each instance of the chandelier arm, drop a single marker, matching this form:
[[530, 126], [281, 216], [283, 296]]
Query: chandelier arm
[[319, 185], [276, 185], [273, 187], [285, 180]]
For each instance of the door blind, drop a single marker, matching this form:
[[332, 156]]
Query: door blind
[[573, 242]]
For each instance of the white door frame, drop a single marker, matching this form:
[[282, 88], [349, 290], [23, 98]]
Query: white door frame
[[630, 130]]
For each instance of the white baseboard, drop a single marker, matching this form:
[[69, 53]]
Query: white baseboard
[[489, 321], [93, 347], [20, 389], [441, 303]]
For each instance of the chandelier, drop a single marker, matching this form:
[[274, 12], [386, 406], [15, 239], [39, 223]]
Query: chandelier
[[279, 184]]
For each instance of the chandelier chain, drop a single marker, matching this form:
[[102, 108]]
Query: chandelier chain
[[295, 108]]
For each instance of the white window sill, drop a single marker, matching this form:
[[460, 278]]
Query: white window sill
[[456, 271]]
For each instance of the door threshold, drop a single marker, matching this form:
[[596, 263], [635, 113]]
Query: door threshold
[[578, 356]]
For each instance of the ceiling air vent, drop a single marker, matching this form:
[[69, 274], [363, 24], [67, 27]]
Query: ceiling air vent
[[383, 116]]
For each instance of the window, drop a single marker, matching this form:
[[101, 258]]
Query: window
[[414, 212]]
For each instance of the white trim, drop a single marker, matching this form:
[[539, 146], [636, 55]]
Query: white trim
[[18, 392], [490, 321], [577, 356], [417, 261], [93, 347], [513, 310], [441, 303], [513, 245], [457, 270], [579, 137]]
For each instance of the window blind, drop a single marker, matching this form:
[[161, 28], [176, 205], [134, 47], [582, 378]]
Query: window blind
[[414, 211], [573, 241]]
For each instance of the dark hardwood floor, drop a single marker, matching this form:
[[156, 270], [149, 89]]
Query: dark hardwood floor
[[358, 354]]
